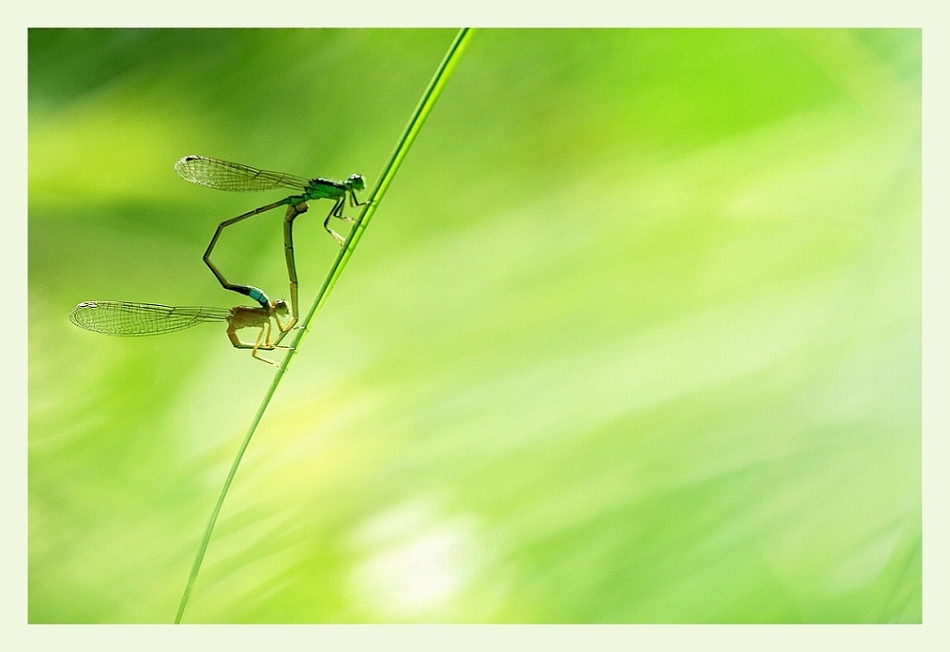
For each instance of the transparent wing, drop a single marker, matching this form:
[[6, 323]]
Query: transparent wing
[[127, 318], [224, 175]]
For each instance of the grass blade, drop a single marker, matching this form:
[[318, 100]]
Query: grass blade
[[419, 116]]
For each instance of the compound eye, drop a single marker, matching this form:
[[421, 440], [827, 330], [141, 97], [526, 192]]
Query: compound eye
[[356, 181]]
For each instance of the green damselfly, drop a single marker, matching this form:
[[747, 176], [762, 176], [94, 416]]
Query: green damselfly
[[224, 175]]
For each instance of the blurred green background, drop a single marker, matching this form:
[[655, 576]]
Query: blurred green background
[[635, 336]]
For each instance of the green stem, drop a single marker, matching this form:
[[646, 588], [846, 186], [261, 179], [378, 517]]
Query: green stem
[[419, 116]]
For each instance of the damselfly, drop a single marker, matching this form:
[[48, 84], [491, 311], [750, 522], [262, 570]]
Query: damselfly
[[224, 175], [128, 318]]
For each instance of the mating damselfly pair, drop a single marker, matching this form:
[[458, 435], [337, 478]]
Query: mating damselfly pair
[[127, 318]]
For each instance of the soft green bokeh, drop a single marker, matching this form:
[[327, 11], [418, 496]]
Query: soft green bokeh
[[635, 337]]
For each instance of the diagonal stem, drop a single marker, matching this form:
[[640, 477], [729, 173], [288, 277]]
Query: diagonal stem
[[419, 116]]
